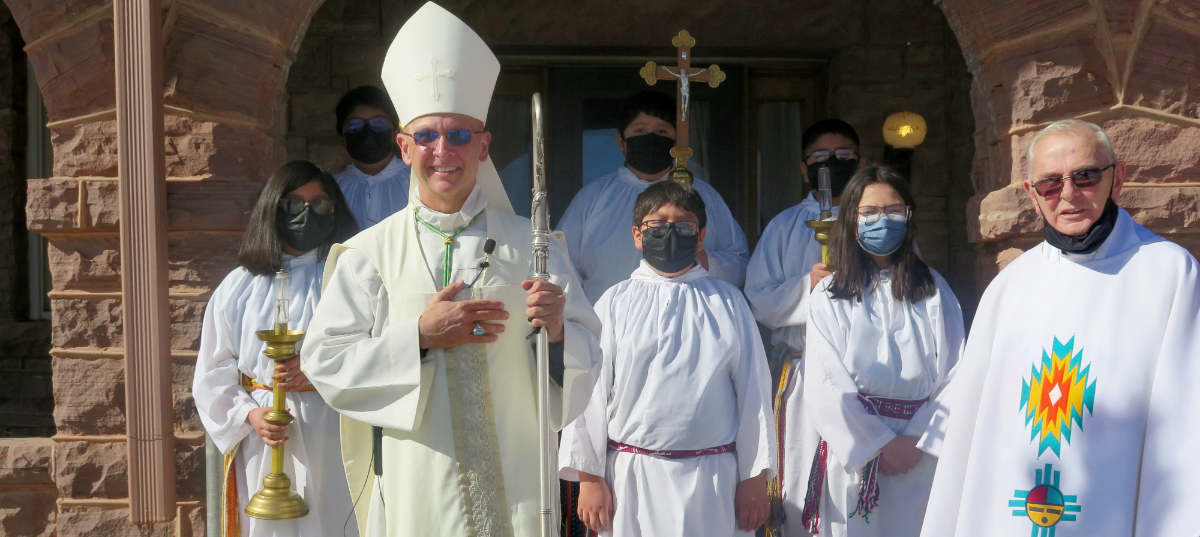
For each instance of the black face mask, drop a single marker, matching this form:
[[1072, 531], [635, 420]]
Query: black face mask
[[1090, 240], [368, 147], [648, 153], [840, 172], [304, 231], [671, 253]]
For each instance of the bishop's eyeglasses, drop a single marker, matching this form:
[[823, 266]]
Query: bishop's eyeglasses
[[456, 137], [1051, 186]]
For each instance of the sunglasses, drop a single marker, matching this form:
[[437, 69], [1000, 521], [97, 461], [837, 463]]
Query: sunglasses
[[294, 206], [1051, 186], [822, 155], [657, 229], [456, 137], [376, 124]]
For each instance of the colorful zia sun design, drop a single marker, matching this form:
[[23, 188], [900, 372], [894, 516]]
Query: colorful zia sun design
[[1045, 505], [1056, 395]]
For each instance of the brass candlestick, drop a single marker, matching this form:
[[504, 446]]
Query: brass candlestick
[[276, 501], [821, 229], [824, 223]]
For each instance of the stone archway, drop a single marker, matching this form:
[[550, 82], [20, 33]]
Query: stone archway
[[1125, 65], [1129, 66], [224, 65]]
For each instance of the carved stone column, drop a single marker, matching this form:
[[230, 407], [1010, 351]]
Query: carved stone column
[[143, 201]]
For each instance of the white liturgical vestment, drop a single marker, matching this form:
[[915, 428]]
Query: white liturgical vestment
[[241, 305], [777, 278], [777, 288], [459, 426], [599, 222], [881, 347], [1074, 410], [374, 197], [684, 370]]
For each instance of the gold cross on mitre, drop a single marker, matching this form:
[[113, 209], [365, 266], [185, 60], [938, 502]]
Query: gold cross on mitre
[[684, 74]]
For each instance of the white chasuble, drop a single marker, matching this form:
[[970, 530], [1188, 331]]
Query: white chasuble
[[459, 426], [1074, 410], [684, 371], [891, 349]]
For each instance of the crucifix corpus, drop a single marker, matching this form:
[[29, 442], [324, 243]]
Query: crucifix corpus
[[684, 74]]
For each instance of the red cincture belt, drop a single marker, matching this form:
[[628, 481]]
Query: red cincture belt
[[868, 486], [672, 453]]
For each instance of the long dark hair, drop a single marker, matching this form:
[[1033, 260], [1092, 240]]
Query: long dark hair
[[854, 269], [261, 251]]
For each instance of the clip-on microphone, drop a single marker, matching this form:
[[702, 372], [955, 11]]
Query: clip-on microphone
[[489, 246]]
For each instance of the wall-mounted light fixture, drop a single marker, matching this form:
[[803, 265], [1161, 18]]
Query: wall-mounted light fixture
[[902, 132]]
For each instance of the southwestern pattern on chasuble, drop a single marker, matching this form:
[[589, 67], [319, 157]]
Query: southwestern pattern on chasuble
[[1053, 399]]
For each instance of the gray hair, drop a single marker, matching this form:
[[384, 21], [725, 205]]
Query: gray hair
[[1064, 126]]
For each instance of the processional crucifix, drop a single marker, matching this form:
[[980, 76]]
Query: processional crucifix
[[684, 74]]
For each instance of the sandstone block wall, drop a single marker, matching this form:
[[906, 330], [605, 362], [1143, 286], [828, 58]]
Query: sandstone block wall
[[1128, 65], [224, 68], [27, 492], [231, 119]]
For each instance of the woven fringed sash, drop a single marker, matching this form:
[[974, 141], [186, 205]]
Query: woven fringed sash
[[672, 453], [868, 484]]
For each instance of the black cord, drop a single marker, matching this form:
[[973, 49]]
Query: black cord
[[377, 467]]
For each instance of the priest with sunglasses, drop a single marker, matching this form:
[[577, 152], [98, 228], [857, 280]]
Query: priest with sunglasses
[[1074, 408], [434, 376], [375, 182]]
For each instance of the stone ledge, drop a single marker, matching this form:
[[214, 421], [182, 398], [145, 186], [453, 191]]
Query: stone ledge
[[193, 145], [215, 204], [91, 262], [1001, 214], [91, 471]]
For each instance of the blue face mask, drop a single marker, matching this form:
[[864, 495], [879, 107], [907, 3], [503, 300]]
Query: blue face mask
[[883, 236]]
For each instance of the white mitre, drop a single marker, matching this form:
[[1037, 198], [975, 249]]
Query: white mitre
[[439, 65]]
